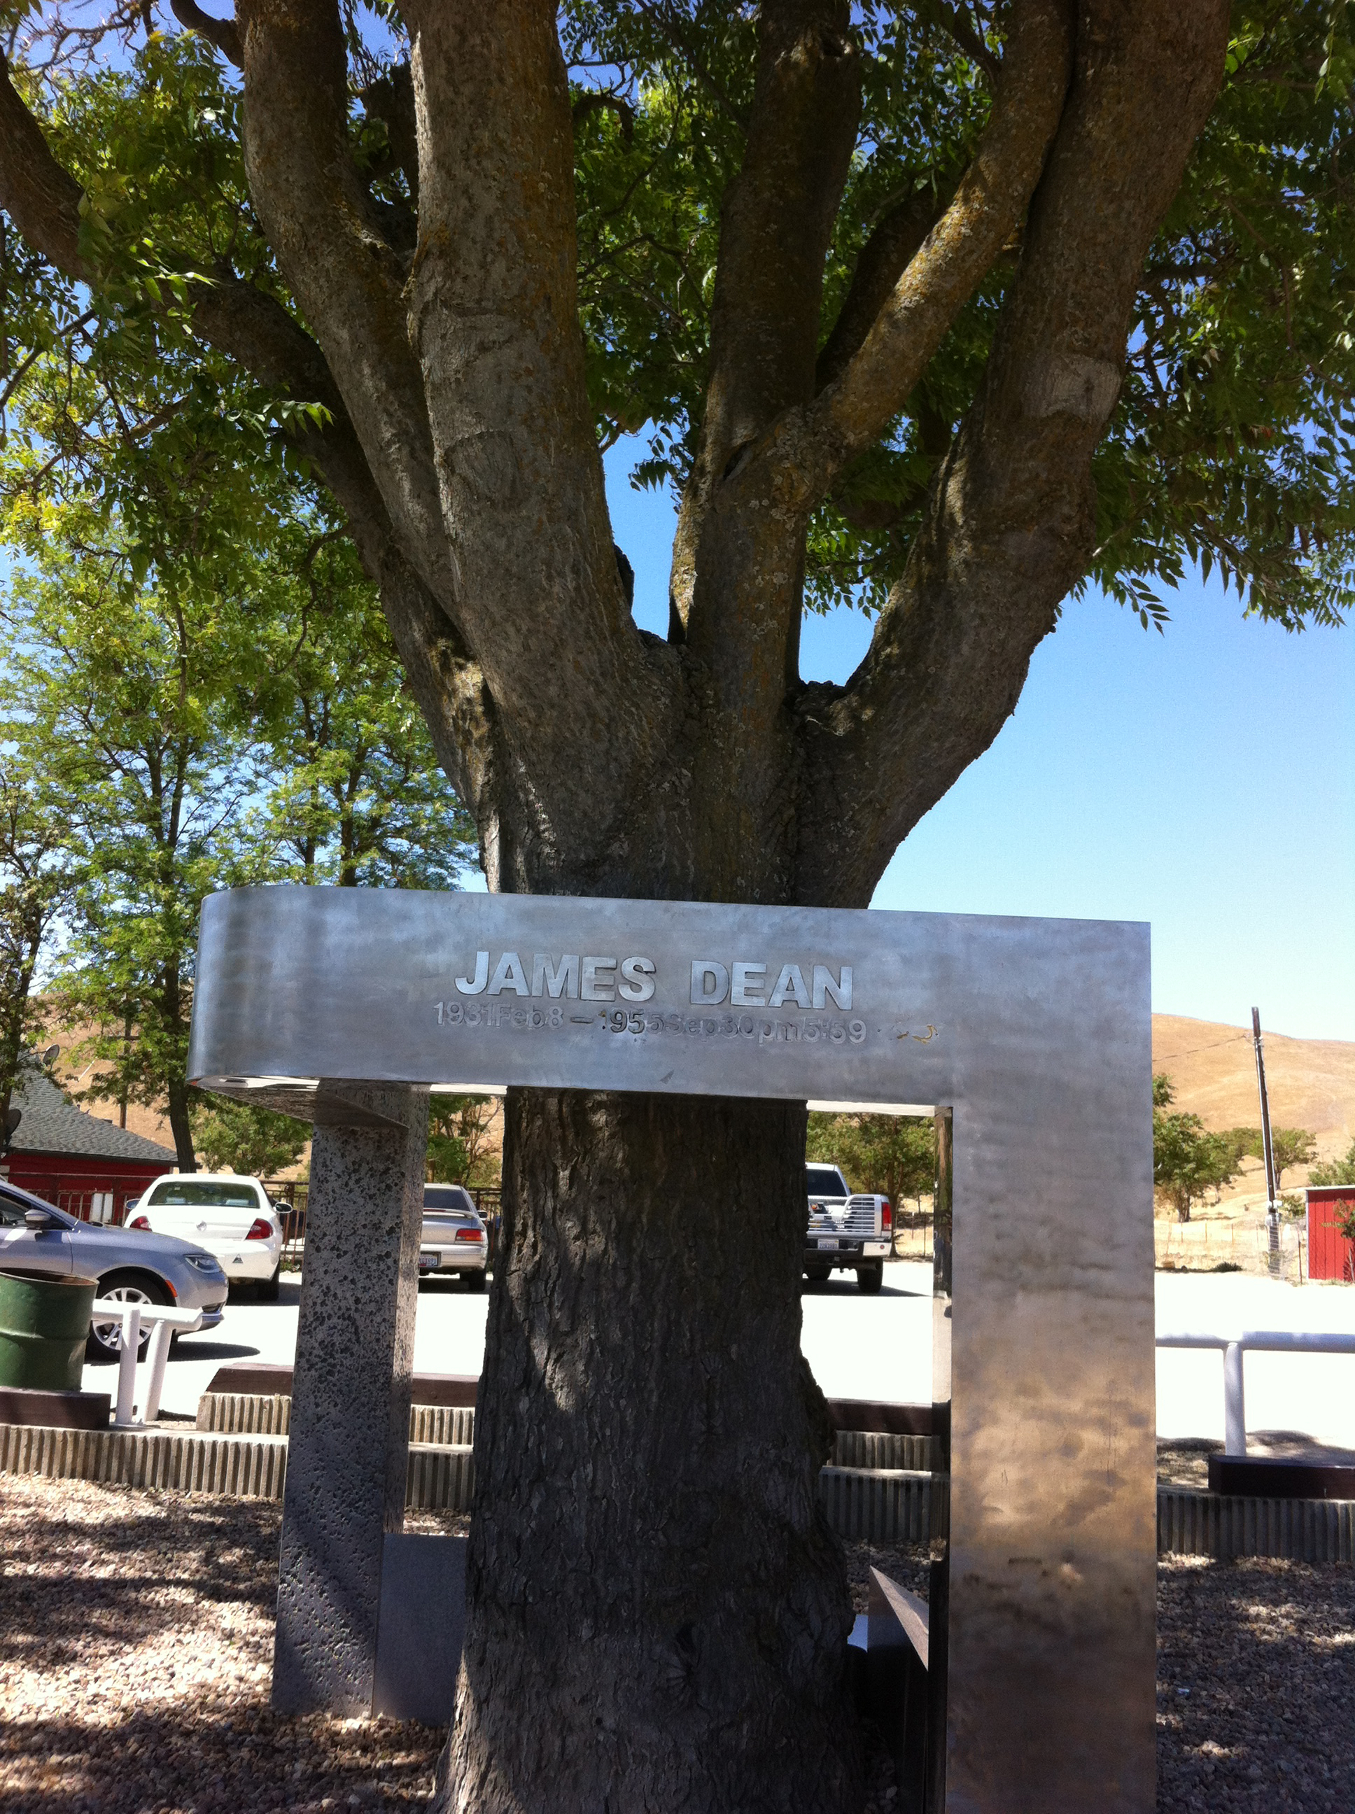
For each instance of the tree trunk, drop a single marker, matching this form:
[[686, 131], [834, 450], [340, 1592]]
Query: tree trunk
[[180, 1126], [657, 1613]]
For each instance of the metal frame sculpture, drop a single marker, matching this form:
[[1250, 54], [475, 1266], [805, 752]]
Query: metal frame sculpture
[[346, 1006]]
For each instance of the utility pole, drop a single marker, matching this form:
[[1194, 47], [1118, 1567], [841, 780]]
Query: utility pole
[[1272, 1197]]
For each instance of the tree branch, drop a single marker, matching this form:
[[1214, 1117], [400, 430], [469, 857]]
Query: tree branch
[[969, 40], [886, 255], [1012, 514], [737, 575], [253, 328], [223, 33], [808, 449], [390, 99], [321, 224], [493, 319], [41, 198], [776, 223]]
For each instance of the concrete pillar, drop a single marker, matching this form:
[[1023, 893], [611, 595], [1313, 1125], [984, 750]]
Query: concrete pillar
[[351, 1385]]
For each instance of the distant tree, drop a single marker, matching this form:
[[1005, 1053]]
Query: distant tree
[[237, 1137], [1335, 1171], [459, 1130], [892, 1155], [35, 886], [359, 797], [1245, 1142], [1289, 1146], [202, 677], [118, 691], [1188, 1161]]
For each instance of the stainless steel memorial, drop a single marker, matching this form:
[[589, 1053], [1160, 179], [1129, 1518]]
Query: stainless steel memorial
[[338, 1004]]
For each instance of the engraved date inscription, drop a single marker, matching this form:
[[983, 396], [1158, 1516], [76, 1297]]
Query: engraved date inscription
[[756, 1029]]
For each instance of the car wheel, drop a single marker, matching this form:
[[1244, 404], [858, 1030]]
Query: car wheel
[[476, 1280], [268, 1288], [817, 1275], [869, 1279], [105, 1339]]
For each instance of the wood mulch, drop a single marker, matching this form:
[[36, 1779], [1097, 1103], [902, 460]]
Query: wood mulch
[[136, 1636]]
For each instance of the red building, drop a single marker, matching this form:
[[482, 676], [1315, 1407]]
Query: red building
[[1331, 1255], [85, 1166]]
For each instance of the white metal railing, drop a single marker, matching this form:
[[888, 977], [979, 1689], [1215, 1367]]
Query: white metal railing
[[164, 1322], [1273, 1341]]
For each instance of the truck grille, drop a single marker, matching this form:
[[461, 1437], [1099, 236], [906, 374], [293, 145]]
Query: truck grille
[[854, 1217], [860, 1216]]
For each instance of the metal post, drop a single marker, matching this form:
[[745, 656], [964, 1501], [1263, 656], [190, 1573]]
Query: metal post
[[934, 1763], [351, 1386], [156, 1356], [1272, 1196], [1234, 1401], [131, 1341]]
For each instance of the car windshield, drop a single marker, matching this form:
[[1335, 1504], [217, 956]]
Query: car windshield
[[190, 1194], [825, 1181], [447, 1199]]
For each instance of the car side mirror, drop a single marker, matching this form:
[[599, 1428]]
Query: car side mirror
[[38, 1219]]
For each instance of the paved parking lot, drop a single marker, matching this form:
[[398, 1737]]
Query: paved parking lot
[[880, 1347]]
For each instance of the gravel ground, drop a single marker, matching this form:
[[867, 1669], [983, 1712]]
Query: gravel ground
[[905, 1563], [136, 1638], [1256, 1685], [136, 1631]]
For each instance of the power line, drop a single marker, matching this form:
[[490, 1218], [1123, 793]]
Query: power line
[[1166, 1057]]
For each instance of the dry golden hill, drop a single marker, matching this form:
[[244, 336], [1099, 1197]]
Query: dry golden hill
[[1213, 1072]]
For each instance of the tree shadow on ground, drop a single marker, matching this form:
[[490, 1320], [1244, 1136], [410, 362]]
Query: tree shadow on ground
[[215, 1755]]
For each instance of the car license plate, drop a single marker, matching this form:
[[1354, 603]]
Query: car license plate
[[429, 1261], [827, 1246]]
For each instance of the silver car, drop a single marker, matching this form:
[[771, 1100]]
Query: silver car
[[453, 1238], [132, 1268]]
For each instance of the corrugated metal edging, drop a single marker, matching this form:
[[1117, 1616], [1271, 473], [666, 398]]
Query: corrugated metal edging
[[1191, 1523], [439, 1478], [189, 1463], [251, 1413], [887, 1505], [454, 1424], [884, 1449], [256, 1413]]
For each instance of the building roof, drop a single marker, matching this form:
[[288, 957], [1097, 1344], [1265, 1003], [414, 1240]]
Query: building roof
[[52, 1124]]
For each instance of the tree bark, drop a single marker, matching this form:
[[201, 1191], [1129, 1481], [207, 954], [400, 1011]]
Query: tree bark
[[181, 1125], [657, 1611]]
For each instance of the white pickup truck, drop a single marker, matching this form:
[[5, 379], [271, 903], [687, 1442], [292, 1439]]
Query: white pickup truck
[[849, 1232]]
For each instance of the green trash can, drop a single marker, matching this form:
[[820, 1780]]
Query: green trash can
[[44, 1323]]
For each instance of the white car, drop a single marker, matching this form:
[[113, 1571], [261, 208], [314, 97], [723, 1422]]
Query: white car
[[453, 1238], [225, 1213]]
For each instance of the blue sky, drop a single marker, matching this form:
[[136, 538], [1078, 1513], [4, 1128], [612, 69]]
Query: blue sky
[[1203, 780]]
